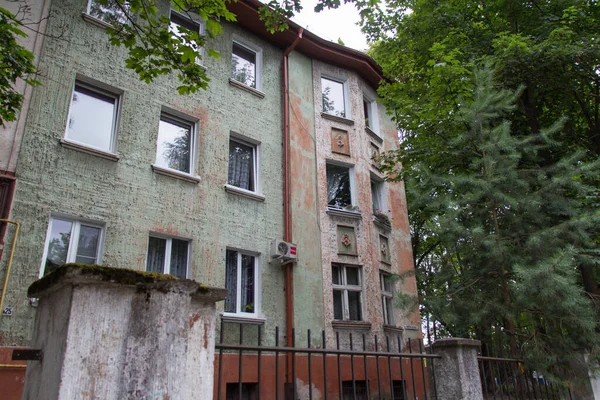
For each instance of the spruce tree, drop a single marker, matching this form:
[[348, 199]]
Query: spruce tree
[[508, 227]]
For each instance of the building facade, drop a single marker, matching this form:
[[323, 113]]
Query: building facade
[[281, 145]]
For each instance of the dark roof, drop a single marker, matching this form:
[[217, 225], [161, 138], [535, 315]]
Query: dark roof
[[311, 45]]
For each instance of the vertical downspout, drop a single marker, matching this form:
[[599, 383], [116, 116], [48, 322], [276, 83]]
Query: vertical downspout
[[287, 197]]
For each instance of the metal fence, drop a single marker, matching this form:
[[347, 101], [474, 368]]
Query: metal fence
[[308, 370], [506, 378]]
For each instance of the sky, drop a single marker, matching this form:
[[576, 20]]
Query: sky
[[333, 24]]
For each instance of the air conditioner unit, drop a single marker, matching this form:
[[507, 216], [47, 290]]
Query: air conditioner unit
[[283, 250]]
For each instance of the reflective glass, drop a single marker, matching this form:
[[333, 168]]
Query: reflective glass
[[58, 244], [243, 65], [87, 246], [333, 97], [179, 258], [354, 308], [173, 145], [91, 118], [247, 284]]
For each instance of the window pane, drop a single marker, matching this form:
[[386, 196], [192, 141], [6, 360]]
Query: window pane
[[387, 283], [338, 186], [87, 246], [376, 196], [335, 275], [338, 307], [354, 306], [352, 276], [367, 110], [155, 261], [333, 97], [389, 310], [243, 65], [247, 284], [241, 165], [179, 258], [58, 244], [178, 25], [110, 13], [173, 145], [91, 118], [231, 280]]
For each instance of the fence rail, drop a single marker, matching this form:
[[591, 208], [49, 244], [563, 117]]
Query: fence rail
[[371, 371], [506, 378]]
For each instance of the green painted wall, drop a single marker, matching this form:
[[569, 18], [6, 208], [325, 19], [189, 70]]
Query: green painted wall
[[127, 195]]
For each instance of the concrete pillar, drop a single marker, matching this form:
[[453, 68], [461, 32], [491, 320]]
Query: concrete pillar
[[109, 333], [457, 372]]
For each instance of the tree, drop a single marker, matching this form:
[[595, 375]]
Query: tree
[[510, 228], [15, 62]]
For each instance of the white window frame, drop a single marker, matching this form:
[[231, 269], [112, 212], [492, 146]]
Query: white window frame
[[387, 319], [201, 30], [179, 118], [256, 145], [89, 11], [352, 173], [257, 285], [258, 65], [168, 247], [345, 288], [344, 82], [104, 90], [74, 238], [382, 194], [373, 113]]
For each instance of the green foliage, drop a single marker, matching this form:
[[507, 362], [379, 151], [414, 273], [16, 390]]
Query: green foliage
[[16, 62], [154, 48], [503, 211]]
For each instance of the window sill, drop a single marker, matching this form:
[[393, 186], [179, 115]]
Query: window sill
[[175, 174], [393, 328], [89, 150], [247, 88], [95, 21], [335, 118], [337, 324], [375, 136], [344, 213], [383, 226], [243, 192], [240, 319]]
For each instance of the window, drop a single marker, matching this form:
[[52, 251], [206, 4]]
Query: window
[[352, 388], [246, 64], [249, 391], [175, 144], [178, 26], [168, 256], [347, 290], [93, 117], [243, 165], [387, 297], [334, 97], [378, 196], [370, 111], [241, 281], [398, 390], [339, 186], [69, 241], [111, 13]]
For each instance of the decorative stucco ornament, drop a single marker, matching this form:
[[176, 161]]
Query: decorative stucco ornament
[[346, 241], [339, 139], [384, 249]]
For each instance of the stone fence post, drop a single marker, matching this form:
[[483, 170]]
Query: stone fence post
[[108, 333], [457, 372]]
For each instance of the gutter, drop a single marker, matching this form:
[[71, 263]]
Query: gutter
[[287, 198]]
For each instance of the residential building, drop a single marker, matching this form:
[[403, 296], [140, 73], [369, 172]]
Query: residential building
[[281, 145]]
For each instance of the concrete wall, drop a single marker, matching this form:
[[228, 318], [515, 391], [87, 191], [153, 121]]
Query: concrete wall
[[127, 195]]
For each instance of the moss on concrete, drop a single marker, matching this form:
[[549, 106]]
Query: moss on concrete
[[117, 275]]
